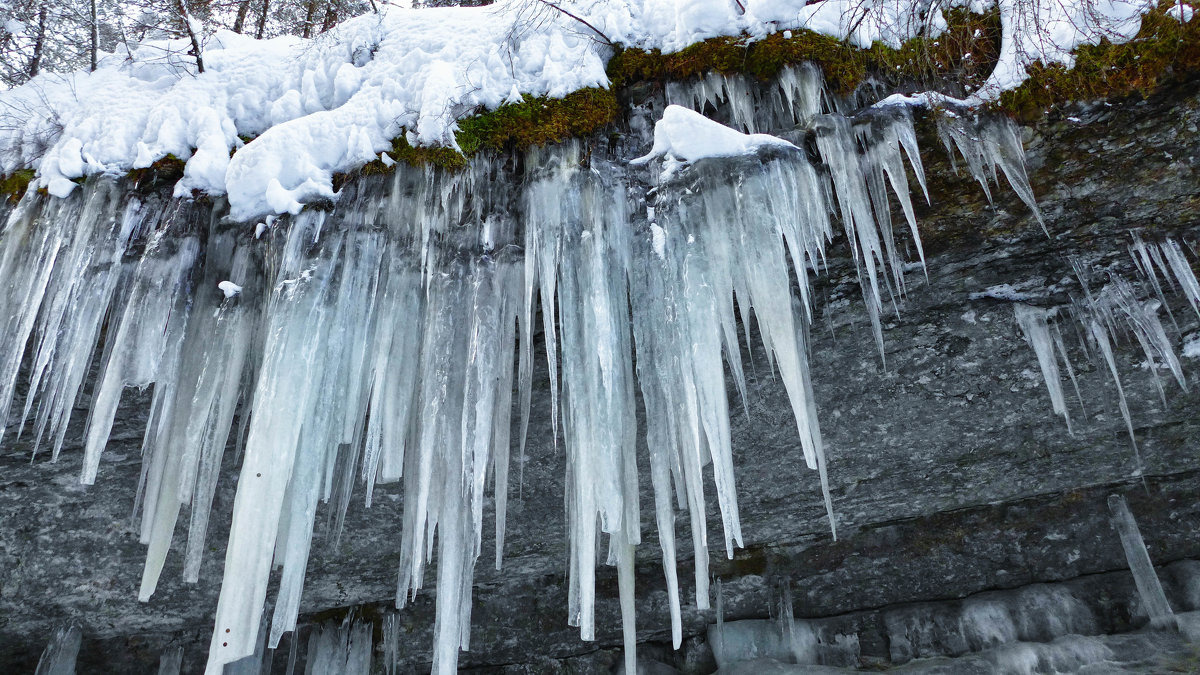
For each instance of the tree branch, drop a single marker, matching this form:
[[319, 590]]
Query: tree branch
[[595, 30]]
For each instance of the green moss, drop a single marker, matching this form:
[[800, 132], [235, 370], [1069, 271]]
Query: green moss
[[1164, 50], [538, 121], [843, 65], [14, 185], [533, 121]]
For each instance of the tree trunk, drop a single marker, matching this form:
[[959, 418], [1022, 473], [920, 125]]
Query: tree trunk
[[182, 7], [95, 33], [262, 19], [39, 42], [239, 24], [330, 16], [310, 15]]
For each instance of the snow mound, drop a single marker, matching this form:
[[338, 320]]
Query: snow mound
[[685, 135]]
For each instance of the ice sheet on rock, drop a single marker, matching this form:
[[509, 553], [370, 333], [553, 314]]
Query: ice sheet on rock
[[170, 661], [58, 658]]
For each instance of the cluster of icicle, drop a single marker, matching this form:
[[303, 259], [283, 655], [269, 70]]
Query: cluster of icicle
[[1115, 312], [375, 343]]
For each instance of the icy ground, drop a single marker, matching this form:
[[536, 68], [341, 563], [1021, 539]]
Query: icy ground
[[329, 104]]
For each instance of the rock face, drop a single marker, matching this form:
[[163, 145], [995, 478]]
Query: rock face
[[950, 474]]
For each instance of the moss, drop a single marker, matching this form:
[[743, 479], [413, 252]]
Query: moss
[[14, 185], [844, 66], [1163, 50], [165, 171], [965, 53], [538, 121], [533, 121]]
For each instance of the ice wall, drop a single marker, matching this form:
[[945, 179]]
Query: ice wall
[[390, 339]]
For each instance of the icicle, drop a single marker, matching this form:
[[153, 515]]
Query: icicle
[[254, 664], [988, 143], [625, 556], [153, 318], [1100, 335], [1144, 260], [286, 384], [91, 235], [391, 643], [58, 658], [340, 649], [1034, 324], [376, 343], [170, 661], [1154, 601], [720, 629], [1183, 273]]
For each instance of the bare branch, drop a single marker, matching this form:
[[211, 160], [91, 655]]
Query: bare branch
[[581, 20]]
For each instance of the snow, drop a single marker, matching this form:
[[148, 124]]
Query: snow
[[332, 103], [684, 135], [1181, 11], [1191, 348], [229, 288]]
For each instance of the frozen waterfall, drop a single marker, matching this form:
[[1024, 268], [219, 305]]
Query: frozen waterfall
[[391, 338]]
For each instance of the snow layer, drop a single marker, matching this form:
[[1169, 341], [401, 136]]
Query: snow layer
[[329, 104], [687, 136]]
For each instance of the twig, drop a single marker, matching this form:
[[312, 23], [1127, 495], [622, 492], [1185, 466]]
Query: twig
[[595, 30]]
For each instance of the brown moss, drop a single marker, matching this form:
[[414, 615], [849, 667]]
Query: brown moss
[[844, 66], [1163, 50], [165, 171]]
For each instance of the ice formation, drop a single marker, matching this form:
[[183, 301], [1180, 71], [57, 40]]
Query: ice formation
[[1116, 312], [376, 343], [1047, 343], [61, 652], [390, 339], [1154, 601]]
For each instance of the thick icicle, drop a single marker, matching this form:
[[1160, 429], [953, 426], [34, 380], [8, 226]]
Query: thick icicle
[[58, 658], [1154, 601], [340, 649], [1034, 324]]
